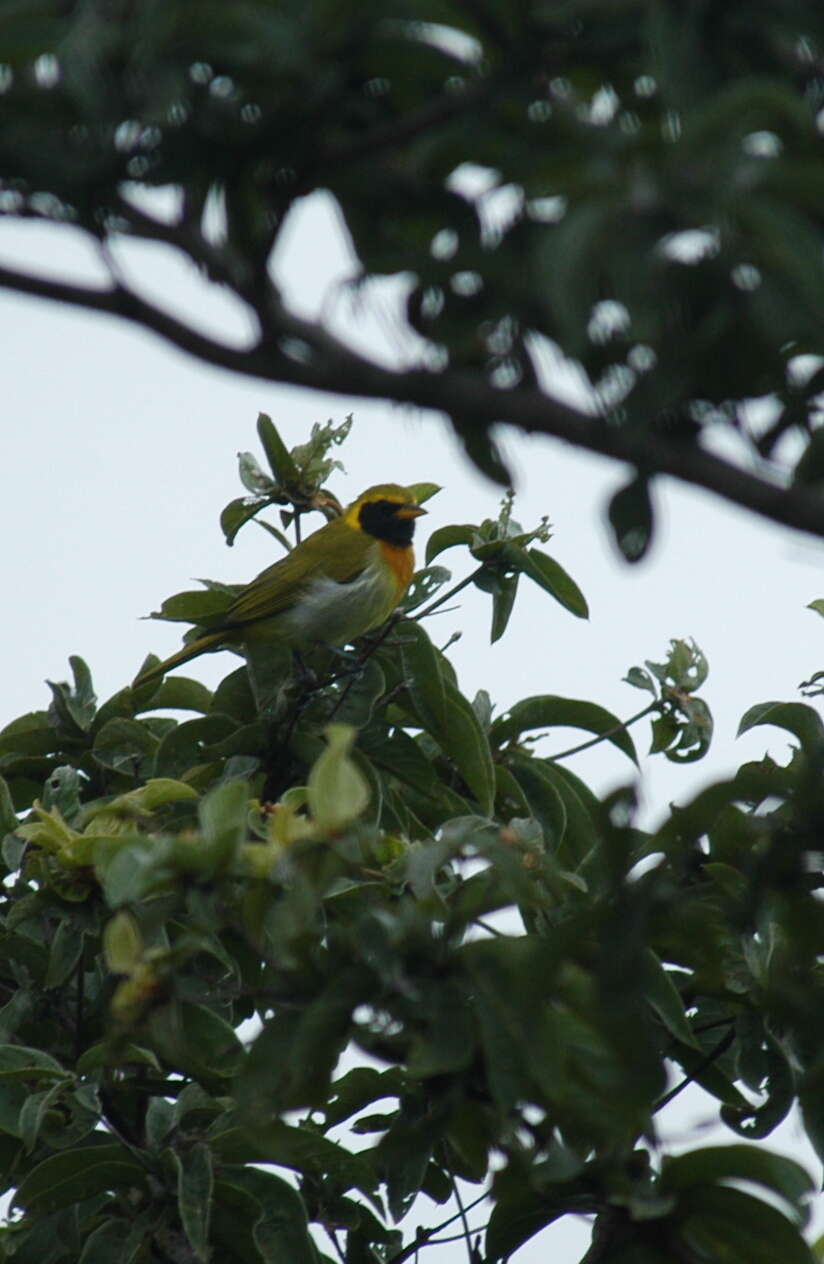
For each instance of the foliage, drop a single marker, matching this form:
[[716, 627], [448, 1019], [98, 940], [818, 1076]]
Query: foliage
[[636, 186], [299, 963]]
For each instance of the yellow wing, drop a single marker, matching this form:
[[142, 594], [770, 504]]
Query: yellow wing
[[336, 551]]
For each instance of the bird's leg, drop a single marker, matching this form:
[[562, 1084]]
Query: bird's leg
[[350, 658], [304, 677]]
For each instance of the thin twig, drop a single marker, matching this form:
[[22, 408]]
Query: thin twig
[[466, 1233], [603, 737], [371, 649], [490, 930], [457, 1237], [722, 1047], [423, 1238], [464, 583]]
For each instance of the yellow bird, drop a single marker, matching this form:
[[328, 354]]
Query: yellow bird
[[338, 583]]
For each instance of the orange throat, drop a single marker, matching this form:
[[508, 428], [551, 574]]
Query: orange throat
[[401, 562]]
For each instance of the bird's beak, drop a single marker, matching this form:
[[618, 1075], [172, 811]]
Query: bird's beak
[[410, 511]]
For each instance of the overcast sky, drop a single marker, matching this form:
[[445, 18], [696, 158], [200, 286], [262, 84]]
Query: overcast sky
[[119, 453]]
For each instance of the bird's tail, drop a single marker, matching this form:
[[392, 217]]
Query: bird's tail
[[210, 640]]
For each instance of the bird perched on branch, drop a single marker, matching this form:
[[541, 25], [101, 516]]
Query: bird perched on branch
[[338, 583]]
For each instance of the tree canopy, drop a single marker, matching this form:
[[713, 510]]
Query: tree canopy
[[283, 960], [634, 186]]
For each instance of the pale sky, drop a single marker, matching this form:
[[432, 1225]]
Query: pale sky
[[119, 454]]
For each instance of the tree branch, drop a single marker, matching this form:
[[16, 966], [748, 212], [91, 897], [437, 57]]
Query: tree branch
[[397, 131], [119, 301], [304, 353]]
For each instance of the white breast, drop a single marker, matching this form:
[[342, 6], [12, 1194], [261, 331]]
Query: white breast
[[335, 614]]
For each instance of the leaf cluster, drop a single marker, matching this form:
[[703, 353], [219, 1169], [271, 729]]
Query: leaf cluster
[[272, 969]]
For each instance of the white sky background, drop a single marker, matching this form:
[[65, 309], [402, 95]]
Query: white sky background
[[118, 454]]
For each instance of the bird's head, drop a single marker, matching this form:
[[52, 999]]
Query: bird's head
[[387, 512]]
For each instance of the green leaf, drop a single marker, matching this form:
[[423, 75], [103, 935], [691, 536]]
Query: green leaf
[[62, 791], [817, 606], [195, 1039], [192, 742], [717, 1223], [15, 1012], [125, 746], [403, 1156], [423, 674], [194, 606], [796, 717], [640, 679], [582, 811], [195, 1180], [224, 822], [20, 1063], [401, 756], [251, 475], [425, 584], [631, 518], [337, 791], [130, 870], [463, 740], [685, 667], [357, 1089], [301, 1148], [708, 1076], [115, 1240], [361, 693], [766, 1070], [523, 1212], [447, 537], [754, 1164], [503, 600], [156, 793], [551, 711], [695, 732], [33, 1114], [278, 1217], [551, 576], [314, 465], [665, 999], [74, 707], [179, 693], [446, 1038], [422, 492], [284, 470], [292, 1060], [65, 952], [238, 512], [233, 697], [72, 1176], [30, 734], [544, 799], [83, 700], [511, 980], [276, 534], [8, 816], [122, 943], [664, 730]]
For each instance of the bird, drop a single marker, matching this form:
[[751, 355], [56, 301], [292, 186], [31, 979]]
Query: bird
[[341, 581]]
